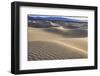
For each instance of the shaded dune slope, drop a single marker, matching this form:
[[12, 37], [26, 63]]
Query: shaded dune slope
[[75, 33]]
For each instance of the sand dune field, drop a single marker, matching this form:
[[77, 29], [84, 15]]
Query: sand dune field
[[56, 43]]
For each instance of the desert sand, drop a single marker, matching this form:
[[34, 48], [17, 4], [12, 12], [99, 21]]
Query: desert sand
[[56, 43]]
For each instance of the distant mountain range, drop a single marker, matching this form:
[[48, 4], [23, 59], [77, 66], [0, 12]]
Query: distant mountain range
[[53, 18]]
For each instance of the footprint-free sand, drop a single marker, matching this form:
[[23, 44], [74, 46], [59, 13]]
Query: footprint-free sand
[[56, 43]]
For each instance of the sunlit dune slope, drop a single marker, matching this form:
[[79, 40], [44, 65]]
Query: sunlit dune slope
[[46, 50]]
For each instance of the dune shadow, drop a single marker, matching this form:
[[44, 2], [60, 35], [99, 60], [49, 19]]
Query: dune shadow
[[72, 33]]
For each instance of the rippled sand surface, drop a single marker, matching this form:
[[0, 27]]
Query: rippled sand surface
[[56, 43]]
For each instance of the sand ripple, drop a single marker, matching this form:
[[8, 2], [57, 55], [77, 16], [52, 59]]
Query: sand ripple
[[46, 50]]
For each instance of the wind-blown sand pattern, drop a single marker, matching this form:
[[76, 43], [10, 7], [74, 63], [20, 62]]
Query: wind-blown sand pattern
[[56, 43]]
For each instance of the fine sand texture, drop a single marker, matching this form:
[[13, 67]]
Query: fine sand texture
[[56, 43]]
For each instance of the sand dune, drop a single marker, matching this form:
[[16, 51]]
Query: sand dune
[[47, 45], [77, 42], [46, 50], [69, 33]]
